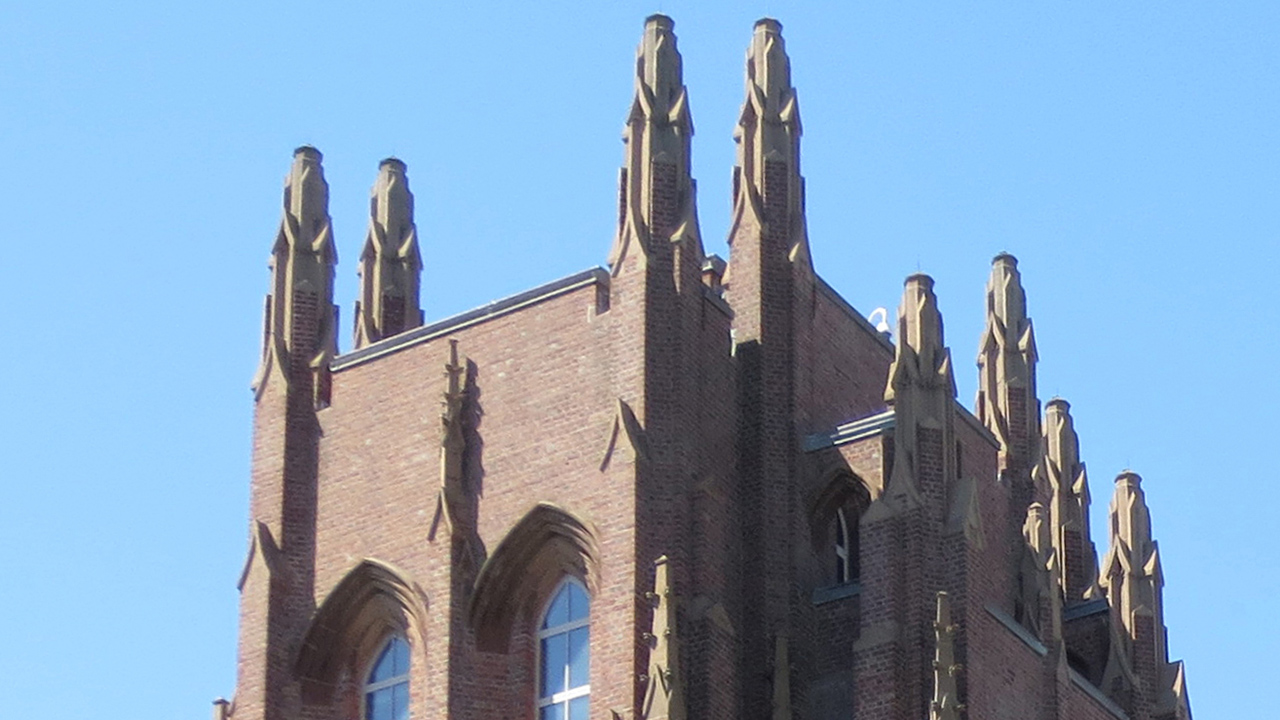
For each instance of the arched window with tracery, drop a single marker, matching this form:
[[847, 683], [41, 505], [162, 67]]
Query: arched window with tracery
[[564, 641], [386, 688]]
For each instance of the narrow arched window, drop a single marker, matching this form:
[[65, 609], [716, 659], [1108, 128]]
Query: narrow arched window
[[842, 549], [564, 649], [386, 689]]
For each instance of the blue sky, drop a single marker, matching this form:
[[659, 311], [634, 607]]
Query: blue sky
[[1127, 153]]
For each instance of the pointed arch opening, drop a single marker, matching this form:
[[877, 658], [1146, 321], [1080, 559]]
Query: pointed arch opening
[[372, 606], [834, 515], [546, 546]]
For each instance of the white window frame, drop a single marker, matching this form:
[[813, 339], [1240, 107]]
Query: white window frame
[[563, 697], [367, 687], [842, 549]]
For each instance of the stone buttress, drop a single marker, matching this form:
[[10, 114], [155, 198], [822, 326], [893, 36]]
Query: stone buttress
[[678, 396], [768, 258], [291, 385], [908, 521]]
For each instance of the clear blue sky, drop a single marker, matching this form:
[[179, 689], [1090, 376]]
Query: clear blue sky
[[1126, 152]]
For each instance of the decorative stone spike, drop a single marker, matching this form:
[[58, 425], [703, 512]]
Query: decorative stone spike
[[299, 326], [1133, 579], [922, 356], [1064, 474], [1007, 402], [656, 190], [1040, 601], [946, 696], [1036, 531], [664, 688], [452, 444], [1134, 582], [922, 391], [768, 136], [390, 263]]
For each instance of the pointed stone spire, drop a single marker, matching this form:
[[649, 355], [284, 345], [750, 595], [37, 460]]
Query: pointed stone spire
[[656, 191], [299, 328], [946, 695], [1064, 475], [1134, 582], [390, 263], [452, 444], [1037, 534], [767, 184], [922, 356], [922, 391], [1133, 578], [1007, 401], [664, 689], [1040, 604]]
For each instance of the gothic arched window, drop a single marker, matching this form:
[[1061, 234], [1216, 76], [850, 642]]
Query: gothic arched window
[[386, 689], [564, 648], [843, 550]]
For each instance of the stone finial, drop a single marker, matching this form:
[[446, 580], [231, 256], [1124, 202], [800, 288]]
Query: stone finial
[[1039, 592], [390, 263], [1134, 583], [1132, 575], [922, 356], [452, 443], [1061, 470], [656, 190], [946, 695], [1007, 368], [664, 686], [922, 390], [306, 223], [1037, 534], [768, 187], [299, 333]]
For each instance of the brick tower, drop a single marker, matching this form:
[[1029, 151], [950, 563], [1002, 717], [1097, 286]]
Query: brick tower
[[673, 487]]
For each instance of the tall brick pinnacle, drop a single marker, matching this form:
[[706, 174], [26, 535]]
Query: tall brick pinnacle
[[1134, 582], [390, 263], [1040, 604], [914, 512], [299, 334], [922, 390], [276, 589], [1007, 401], [656, 192], [768, 269], [768, 227], [1132, 575], [1068, 485], [656, 302]]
